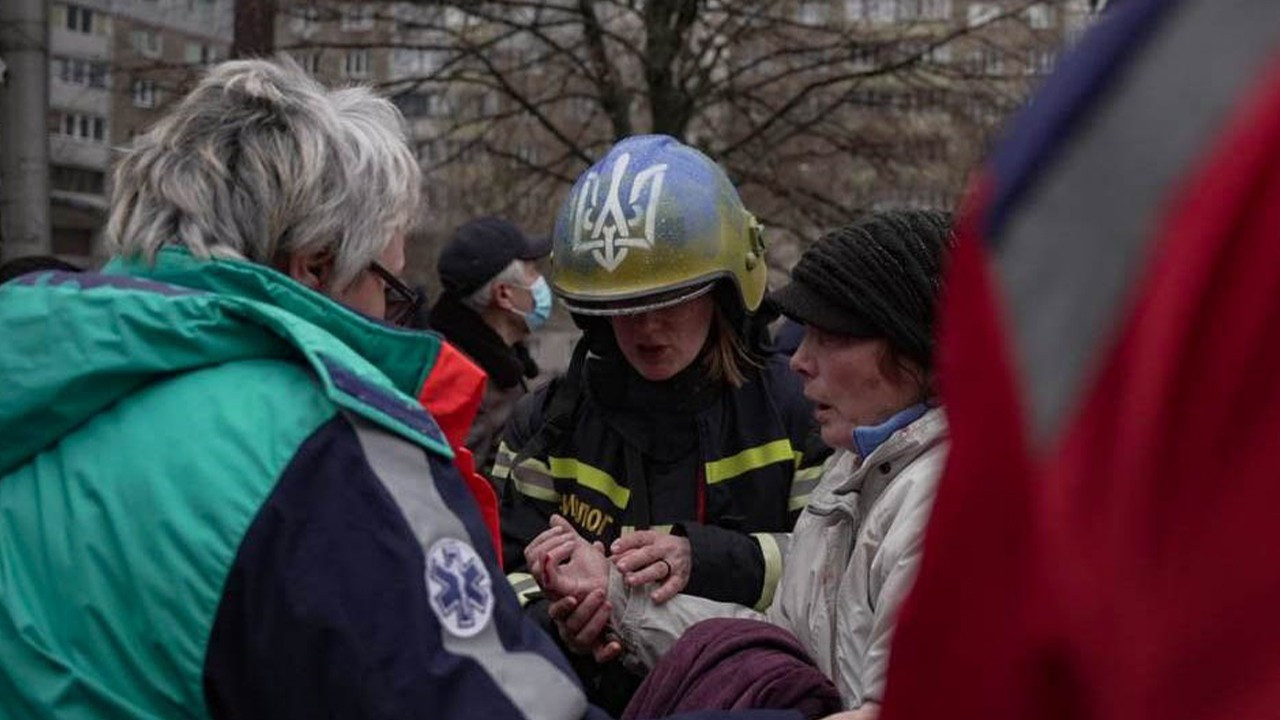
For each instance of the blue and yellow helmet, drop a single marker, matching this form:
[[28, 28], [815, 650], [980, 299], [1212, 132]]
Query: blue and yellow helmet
[[652, 224]]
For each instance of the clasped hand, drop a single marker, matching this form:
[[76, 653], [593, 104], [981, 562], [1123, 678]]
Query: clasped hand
[[574, 575]]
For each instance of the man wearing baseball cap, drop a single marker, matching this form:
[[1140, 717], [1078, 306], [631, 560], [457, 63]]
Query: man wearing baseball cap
[[494, 297]]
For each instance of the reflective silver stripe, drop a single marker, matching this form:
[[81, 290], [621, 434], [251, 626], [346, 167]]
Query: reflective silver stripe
[[502, 461], [530, 681], [533, 478], [802, 485], [1070, 253], [524, 586], [774, 547], [810, 474]]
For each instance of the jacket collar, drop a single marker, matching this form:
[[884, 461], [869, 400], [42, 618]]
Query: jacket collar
[[405, 357], [866, 438], [467, 331], [846, 475]]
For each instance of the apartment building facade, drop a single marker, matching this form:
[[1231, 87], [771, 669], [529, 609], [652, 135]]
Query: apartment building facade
[[113, 67], [933, 81]]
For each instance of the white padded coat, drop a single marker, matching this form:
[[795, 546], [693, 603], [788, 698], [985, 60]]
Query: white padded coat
[[852, 558]]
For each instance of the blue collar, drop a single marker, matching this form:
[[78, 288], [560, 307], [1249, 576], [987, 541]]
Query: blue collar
[[866, 438]]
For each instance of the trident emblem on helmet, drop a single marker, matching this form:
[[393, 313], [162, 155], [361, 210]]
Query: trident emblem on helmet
[[608, 228]]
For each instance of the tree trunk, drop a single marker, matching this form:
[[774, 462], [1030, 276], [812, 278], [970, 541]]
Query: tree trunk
[[667, 24]]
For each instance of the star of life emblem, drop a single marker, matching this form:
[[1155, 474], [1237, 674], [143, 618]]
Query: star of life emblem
[[458, 587], [607, 227]]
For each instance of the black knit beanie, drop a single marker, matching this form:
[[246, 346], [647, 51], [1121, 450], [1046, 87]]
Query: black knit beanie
[[878, 277]]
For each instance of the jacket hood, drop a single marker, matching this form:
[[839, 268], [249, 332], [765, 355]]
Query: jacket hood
[[75, 343]]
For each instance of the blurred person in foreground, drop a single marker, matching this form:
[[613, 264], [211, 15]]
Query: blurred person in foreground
[[1103, 546], [219, 494], [494, 298], [674, 438], [866, 297]]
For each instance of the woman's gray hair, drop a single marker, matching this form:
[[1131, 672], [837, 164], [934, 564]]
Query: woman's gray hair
[[260, 162]]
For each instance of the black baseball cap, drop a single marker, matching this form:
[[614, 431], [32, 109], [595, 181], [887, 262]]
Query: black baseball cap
[[482, 248]]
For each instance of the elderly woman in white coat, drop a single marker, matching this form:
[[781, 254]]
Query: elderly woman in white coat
[[866, 295]]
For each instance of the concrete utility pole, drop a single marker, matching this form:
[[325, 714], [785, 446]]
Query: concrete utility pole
[[255, 28], [24, 138]]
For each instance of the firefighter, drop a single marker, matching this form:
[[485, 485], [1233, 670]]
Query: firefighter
[[676, 439]]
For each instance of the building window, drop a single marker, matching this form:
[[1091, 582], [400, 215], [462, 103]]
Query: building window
[[981, 13], [854, 10], [418, 104], [429, 153], [76, 71], [77, 180], [457, 18], [79, 19], [201, 54], [144, 93], [1040, 61], [1040, 17], [357, 64], [810, 13], [935, 9], [988, 61], [147, 43], [309, 61], [940, 55], [305, 20], [528, 155], [79, 126], [866, 57], [357, 17], [882, 11], [415, 61]]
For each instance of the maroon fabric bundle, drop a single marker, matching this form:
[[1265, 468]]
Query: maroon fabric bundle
[[727, 664]]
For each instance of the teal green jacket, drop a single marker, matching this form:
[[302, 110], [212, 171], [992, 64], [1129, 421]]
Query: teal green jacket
[[220, 498]]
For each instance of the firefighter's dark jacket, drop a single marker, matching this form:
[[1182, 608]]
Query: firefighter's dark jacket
[[728, 468]]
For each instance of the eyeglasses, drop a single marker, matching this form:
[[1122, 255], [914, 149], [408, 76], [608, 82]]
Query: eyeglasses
[[402, 301]]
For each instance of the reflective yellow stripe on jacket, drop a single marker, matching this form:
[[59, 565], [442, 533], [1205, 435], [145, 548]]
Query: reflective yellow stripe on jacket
[[537, 479], [591, 477], [750, 459], [534, 478]]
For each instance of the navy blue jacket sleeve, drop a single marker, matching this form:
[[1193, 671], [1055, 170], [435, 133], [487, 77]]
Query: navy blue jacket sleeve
[[365, 588]]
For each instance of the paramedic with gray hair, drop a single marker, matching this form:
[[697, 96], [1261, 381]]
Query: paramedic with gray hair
[[220, 495]]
